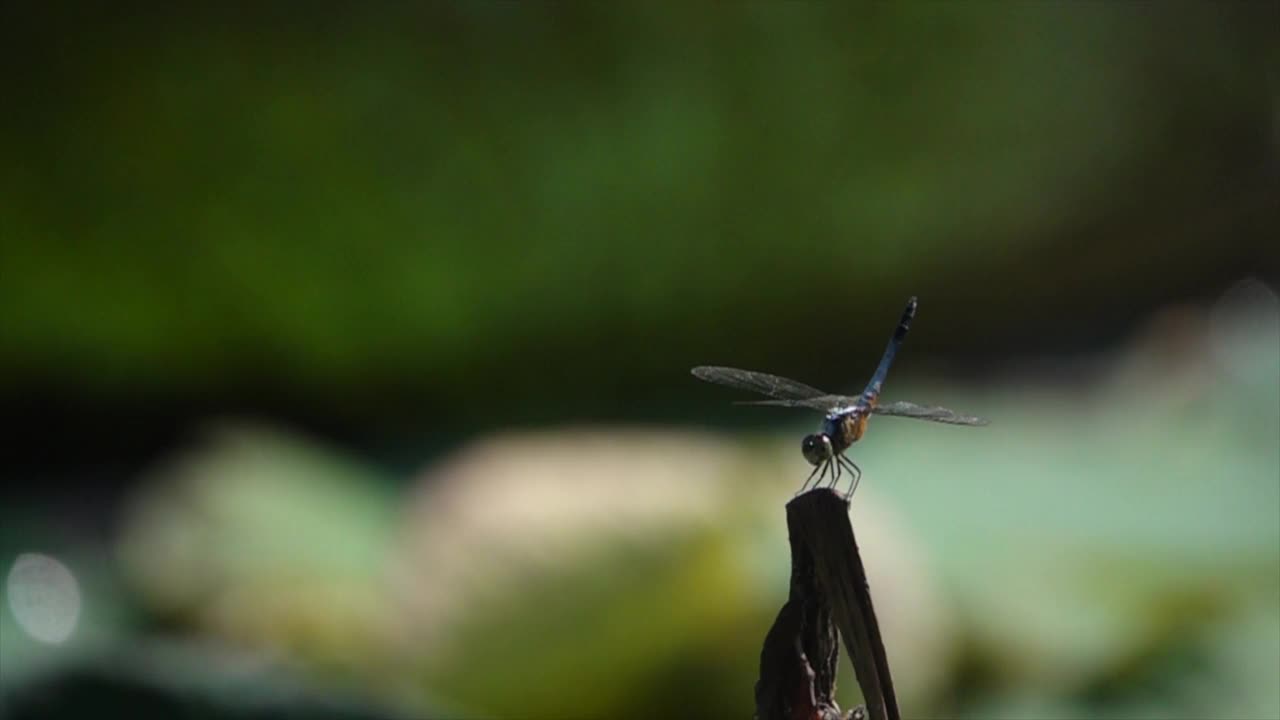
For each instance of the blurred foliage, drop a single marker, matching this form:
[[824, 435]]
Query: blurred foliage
[[469, 217], [1103, 554], [382, 206], [318, 580]]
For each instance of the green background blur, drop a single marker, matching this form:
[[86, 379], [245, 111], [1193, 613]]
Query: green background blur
[[344, 352]]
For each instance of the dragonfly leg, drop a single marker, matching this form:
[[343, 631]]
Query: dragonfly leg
[[816, 468], [854, 471]]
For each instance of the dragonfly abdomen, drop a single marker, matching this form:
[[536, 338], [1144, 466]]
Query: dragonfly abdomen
[[895, 342]]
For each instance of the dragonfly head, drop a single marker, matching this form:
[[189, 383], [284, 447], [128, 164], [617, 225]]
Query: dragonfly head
[[816, 448]]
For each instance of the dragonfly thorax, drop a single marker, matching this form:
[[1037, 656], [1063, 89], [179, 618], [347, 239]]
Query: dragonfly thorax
[[845, 427]]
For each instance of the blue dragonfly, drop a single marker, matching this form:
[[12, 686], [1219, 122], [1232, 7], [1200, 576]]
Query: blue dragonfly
[[846, 417]]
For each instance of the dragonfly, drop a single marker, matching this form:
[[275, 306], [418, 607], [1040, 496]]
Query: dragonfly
[[846, 416]]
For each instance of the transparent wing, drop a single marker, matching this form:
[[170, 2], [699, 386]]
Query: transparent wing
[[785, 393], [922, 412], [822, 402]]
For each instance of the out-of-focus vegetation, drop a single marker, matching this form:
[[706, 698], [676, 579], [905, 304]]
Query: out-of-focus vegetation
[[342, 205], [345, 353]]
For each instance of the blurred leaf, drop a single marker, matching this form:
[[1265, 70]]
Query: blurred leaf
[[271, 542]]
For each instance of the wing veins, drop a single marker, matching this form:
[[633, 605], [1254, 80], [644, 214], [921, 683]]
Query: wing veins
[[927, 412], [784, 391]]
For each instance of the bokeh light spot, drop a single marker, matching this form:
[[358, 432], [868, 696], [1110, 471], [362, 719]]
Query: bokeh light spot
[[44, 597]]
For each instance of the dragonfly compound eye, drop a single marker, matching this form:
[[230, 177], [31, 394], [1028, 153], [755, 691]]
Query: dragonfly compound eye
[[814, 449]]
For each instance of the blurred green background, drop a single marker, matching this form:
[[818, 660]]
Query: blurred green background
[[344, 352]]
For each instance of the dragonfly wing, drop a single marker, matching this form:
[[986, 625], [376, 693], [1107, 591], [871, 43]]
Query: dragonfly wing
[[822, 402], [924, 412], [778, 388]]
